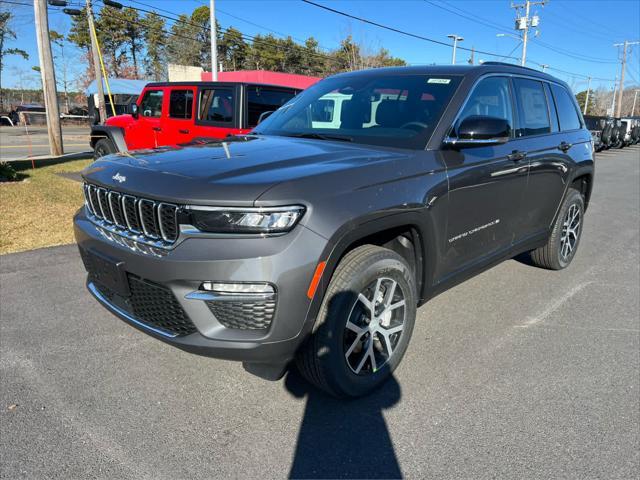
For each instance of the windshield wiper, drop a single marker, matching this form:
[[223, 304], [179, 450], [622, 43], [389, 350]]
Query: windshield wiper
[[321, 136]]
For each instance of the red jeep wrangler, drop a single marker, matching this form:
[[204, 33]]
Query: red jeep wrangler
[[175, 113]]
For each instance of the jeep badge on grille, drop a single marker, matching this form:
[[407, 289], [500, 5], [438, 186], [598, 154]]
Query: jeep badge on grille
[[119, 178]]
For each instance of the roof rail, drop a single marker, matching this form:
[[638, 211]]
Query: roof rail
[[505, 64]]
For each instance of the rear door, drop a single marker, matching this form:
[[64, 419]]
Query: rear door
[[486, 183], [218, 111], [145, 131], [551, 148], [261, 99], [177, 125]]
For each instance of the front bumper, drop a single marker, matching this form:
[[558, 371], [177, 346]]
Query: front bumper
[[287, 262]]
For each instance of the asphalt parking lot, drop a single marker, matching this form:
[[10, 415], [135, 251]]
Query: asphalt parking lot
[[517, 373]]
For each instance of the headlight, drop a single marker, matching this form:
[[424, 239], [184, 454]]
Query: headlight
[[246, 220]]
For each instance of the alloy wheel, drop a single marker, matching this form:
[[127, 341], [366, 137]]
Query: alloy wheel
[[570, 231], [374, 326]]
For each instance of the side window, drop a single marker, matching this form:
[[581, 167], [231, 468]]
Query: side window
[[216, 105], [151, 104], [490, 98], [567, 113], [261, 99], [181, 104], [532, 108]]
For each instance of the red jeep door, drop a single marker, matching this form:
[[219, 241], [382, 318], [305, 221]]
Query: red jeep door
[[218, 112], [177, 124], [145, 130]]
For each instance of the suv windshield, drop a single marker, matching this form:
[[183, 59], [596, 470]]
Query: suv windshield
[[388, 110]]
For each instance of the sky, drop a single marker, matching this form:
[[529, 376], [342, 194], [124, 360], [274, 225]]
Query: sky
[[575, 37]]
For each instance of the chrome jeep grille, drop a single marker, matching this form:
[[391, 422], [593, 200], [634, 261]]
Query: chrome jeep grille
[[140, 218]]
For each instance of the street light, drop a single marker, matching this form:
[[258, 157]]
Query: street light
[[455, 39], [510, 35]]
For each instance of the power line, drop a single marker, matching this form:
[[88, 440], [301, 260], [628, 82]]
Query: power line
[[249, 38], [396, 30], [572, 11], [476, 19], [15, 3], [497, 27], [330, 58]]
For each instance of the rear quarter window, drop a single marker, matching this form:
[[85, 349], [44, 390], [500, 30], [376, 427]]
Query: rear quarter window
[[567, 113], [261, 100]]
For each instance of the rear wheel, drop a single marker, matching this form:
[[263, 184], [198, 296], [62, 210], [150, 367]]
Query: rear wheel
[[565, 236], [103, 147], [364, 324]]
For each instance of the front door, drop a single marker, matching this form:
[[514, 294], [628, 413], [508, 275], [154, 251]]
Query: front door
[[145, 131], [486, 184]]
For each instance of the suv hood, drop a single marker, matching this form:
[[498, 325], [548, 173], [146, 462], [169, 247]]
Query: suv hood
[[234, 172]]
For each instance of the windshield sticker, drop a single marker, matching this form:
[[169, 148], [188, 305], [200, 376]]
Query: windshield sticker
[[444, 81]]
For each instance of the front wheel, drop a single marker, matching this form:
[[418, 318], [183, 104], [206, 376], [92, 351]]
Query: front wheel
[[103, 147], [364, 324], [565, 235]]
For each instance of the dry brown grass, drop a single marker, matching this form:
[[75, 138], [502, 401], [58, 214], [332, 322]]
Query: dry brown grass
[[38, 211]]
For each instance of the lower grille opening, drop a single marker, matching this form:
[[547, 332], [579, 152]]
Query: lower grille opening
[[253, 315], [151, 304]]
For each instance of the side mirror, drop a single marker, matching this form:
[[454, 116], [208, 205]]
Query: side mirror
[[133, 108], [478, 130], [264, 116]]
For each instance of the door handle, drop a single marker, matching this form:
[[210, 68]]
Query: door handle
[[156, 129], [516, 155], [183, 131], [564, 146]]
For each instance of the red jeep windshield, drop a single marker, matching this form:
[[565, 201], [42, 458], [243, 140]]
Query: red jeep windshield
[[388, 110]]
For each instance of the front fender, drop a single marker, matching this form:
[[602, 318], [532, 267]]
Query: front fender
[[419, 221], [113, 133]]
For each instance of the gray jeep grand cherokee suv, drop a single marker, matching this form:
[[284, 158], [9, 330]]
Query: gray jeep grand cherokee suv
[[316, 237]]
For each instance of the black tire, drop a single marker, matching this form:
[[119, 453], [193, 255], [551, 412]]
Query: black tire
[[103, 147], [323, 360], [552, 256]]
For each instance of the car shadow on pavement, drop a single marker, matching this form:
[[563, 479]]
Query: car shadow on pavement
[[343, 438]]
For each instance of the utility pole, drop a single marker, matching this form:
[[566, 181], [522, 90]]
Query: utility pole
[[586, 99], [472, 59], [613, 101], [524, 23], [102, 109], [455, 39], [214, 41], [48, 77], [635, 96], [625, 45]]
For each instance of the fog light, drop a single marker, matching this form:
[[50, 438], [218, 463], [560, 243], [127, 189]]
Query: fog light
[[233, 288]]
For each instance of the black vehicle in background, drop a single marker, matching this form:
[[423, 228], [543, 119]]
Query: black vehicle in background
[[27, 108], [596, 126], [617, 138], [606, 137]]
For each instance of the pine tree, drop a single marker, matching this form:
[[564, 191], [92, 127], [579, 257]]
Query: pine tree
[[155, 39]]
